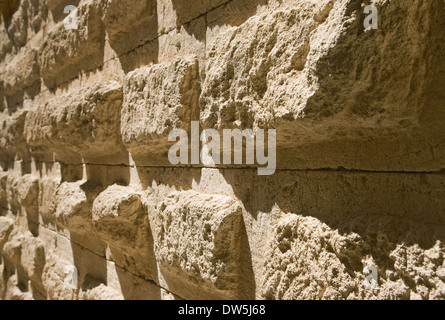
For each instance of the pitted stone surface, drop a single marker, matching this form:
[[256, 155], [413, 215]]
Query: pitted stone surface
[[91, 208]]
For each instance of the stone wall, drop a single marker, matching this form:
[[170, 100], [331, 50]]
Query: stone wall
[[91, 207]]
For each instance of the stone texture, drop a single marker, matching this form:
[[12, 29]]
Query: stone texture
[[199, 243], [128, 23], [291, 70], [55, 280], [84, 125], [65, 53], [33, 257], [21, 72], [5, 229], [11, 136], [157, 100], [90, 207], [121, 221]]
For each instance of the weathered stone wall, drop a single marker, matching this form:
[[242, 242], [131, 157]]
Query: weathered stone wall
[[91, 208]]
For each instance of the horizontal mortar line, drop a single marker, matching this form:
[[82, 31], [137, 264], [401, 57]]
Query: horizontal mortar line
[[166, 32], [339, 169], [278, 169]]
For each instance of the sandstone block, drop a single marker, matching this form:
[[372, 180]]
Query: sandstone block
[[66, 52], [12, 249], [3, 194], [25, 72], [83, 124], [47, 191], [5, 230], [290, 70], [12, 141], [156, 100], [72, 203], [118, 214], [18, 25], [199, 243], [121, 221], [33, 257], [129, 23], [28, 197], [6, 44], [301, 266], [12, 186], [57, 281]]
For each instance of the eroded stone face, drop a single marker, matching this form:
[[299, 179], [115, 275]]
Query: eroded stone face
[[56, 279], [201, 237], [117, 213], [63, 48], [294, 64], [33, 257], [121, 221], [157, 100], [309, 260], [84, 125], [129, 23], [5, 229], [91, 207]]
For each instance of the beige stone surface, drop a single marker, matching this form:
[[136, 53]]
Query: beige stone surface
[[5, 229], [84, 124], [157, 100], [91, 208], [200, 242]]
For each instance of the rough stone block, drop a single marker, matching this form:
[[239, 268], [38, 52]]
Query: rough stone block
[[301, 265], [57, 279], [84, 124], [121, 221], [3, 195], [290, 70], [118, 215], [199, 244], [18, 25], [47, 191], [129, 24], [66, 52], [12, 141], [5, 230], [12, 249], [71, 204], [33, 257], [156, 100]]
